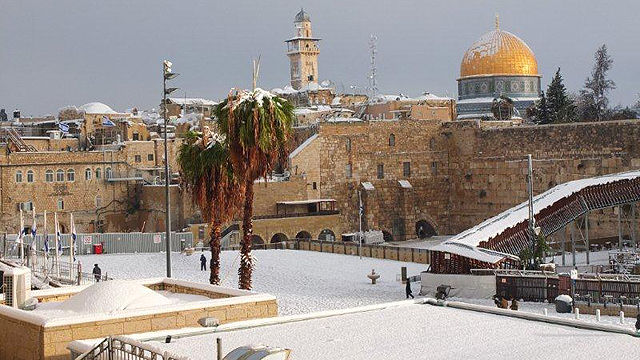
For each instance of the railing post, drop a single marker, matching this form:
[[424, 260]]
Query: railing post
[[79, 272], [110, 348], [219, 348]]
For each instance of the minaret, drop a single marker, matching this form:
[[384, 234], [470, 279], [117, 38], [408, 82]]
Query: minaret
[[303, 52]]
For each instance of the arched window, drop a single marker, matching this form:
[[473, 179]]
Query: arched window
[[30, 176], [392, 140], [87, 174], [98, 173], [108, 173], [98, 201], [18, 176], [48, 176], [348, 145], [60, 175], [71, 175]]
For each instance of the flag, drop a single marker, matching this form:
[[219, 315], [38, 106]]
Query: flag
[[63, 127], [46, 237], [33, 225], [107, 122], [57, 234], [74, 236]]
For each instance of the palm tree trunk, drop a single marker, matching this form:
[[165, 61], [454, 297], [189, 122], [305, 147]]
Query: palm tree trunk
[[214, 245], [246, 262]]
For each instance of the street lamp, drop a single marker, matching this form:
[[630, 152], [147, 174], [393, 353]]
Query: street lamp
[[167, 75]]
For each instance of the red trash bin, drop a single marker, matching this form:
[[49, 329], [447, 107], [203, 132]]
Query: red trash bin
[[97, 248]]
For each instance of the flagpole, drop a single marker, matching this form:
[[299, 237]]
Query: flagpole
[[57, 235], [46, 241], [21, 237], [32, 252], [72, 248]]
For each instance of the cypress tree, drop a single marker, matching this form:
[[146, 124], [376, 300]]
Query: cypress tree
[[542, 110], [560, 106]]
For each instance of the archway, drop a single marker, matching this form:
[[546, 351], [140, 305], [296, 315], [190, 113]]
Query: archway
[[279, 237], [424, 229], [256, 240], [327, 235], [387, 236], [303, 235]]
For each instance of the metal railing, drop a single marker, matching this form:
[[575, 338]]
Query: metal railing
[[116, 348]]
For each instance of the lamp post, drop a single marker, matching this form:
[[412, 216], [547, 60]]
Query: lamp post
[[533, 234], [167, 75]]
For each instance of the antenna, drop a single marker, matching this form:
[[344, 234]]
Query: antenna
[[373, 81], [256, 71]]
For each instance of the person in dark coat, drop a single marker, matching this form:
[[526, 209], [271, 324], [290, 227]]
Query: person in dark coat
[[97, 272], [408, 289], [203, 262]]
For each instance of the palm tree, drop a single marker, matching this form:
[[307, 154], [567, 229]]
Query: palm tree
[[207, 174], [257, 125]]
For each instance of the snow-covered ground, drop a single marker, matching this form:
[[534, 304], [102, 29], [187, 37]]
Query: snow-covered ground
[[595, 258], [302, 281], [417, 332], [538, 308]]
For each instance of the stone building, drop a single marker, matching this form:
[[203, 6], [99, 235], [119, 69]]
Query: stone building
[[302, 50], [497, 64]]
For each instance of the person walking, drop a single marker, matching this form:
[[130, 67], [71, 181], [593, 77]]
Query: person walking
[[203, 262], [97, 272], [408, 289]]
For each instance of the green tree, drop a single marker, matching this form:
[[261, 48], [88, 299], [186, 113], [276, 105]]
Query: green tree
[[257, 125], [533, 257], [595, 103], [560, 106], [540, 113], [207, 174]]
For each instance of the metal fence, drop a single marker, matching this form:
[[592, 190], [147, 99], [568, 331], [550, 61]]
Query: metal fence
[[111, 243], [113, 348]]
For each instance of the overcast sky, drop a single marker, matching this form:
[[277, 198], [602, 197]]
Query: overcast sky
[[70, 52]]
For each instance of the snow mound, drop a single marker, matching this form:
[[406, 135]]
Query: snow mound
[[564, 298], [96, 108], [114, 295]]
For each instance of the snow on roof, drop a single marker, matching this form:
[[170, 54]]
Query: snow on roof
[[96, 108], [509, 218], [192, 101], [303, 202], [358, 336], [302, 146], [343, 119], [312, 86]]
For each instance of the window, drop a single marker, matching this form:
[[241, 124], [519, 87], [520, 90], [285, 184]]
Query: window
[[315, 186], [348, 145], [392, 140], [87, 174], [48, 176], [434, 168], [71, 175], [98, 173], [25, 206], [406, 169], [347, 170], [136, 136], [98, 201], [108, 173], [30, 176], [60, 175], [137, 158], [380, 171], [150, 157], [60, 204], [18, 176]]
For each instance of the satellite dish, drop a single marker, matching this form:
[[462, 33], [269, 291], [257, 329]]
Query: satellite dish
[[325, 83]]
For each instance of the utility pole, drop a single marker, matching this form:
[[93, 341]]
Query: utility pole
[[167, 75]]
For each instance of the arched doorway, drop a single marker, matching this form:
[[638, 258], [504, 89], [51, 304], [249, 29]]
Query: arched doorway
[[424, 229], [327, 235], [303, 235], [387, 236], [279, 237], [256, 240]]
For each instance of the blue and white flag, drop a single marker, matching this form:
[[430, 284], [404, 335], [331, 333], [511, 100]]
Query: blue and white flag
[[63, 127], [57, 235], [33, 225], [74, 236], [46, 237], [107, 122]]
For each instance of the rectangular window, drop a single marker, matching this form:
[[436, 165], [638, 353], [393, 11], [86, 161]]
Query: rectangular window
[[136, 136], [347, 170], [138, 158], [60, 204], [380, 171], [406, 169], [434, 168], [348, 145], [150, 157], [315, 186]]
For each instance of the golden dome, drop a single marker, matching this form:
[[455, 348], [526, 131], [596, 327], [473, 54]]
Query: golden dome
[[499, 52]]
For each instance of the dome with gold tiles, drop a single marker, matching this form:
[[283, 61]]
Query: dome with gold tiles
[[499, 53]]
